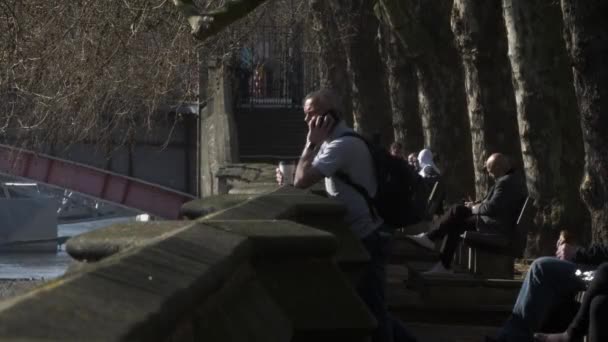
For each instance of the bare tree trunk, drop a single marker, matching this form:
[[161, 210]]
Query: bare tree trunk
[[371, 107], [586, 34], [403, 92], [480, 34], [332, 58], [423, 28], [548, 118]]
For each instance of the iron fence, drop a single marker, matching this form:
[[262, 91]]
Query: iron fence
[[273, 68]]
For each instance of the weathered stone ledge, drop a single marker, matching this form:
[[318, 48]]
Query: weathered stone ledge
[[259, 271]]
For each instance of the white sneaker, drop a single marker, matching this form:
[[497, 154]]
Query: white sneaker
[[438, 269], [422, 240]]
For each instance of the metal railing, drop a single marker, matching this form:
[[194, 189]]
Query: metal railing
[[273, 69]]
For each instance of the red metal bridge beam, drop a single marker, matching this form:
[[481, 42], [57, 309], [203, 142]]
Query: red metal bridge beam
[[154, 199]]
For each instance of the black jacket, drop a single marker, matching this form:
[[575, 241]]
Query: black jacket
[[592, 255], [500, 208]]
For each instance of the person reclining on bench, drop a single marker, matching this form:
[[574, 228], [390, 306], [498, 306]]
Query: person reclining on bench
[[548, 289], [497, 213]]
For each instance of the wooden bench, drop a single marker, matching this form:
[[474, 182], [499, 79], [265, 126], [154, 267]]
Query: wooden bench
[[493, 255]]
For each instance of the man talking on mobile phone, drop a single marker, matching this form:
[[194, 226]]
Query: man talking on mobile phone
[[328, 152]]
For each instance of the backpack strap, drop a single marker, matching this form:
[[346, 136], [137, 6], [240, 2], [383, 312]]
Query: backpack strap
[[358, 187]]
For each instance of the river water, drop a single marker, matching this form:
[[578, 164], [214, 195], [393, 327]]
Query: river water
[[48, 265]]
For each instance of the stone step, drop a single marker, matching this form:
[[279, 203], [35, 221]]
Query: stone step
[[458, 299], [410, 306]]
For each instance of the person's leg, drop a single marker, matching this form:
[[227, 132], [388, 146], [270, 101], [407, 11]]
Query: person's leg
[[371, 286], [598, 286], [598, 316], [453, 238], [371, 289], [453, 219], [547, 280]]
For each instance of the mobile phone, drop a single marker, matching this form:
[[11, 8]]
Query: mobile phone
[[332, 113]]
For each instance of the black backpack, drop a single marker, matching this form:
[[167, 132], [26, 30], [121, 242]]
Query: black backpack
[[396, 200]]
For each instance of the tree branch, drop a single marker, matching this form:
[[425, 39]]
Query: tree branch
[[204, 25]]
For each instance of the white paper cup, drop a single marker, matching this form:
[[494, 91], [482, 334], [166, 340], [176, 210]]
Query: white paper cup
[[287, 170]]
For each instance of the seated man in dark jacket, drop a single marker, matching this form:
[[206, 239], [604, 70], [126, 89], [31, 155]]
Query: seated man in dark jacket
[[496, 213], [549, 282]]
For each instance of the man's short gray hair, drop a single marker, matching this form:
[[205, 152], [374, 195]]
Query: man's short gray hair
[[325, 99]]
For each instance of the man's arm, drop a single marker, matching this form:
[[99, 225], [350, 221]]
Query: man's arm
[[318, 130], [306, 174], [493, 204]]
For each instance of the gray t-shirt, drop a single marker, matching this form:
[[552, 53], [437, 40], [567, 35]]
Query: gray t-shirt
[[351, 156]]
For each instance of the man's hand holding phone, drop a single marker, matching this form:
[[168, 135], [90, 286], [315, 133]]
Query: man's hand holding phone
[[319, 128], [566, 248]]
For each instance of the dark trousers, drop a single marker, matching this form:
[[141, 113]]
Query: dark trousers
[[593, 313], [371, 288], [452, 223]]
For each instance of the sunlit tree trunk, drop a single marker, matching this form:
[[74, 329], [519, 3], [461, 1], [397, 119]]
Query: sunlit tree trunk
[[332, 59], [548, 118], [586, 35], [358, 27], [480, 34], [403, 92], [423, 28]]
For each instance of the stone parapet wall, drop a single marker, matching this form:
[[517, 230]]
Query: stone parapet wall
[[259, 271]]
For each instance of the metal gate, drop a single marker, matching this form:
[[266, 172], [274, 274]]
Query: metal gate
[[274, 69]]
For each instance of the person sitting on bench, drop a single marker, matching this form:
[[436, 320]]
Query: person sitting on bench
[[497, 213], [550, 285]]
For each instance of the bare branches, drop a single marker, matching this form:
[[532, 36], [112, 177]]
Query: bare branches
[[90, 69], [99, 70]]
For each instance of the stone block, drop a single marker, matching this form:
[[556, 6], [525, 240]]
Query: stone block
[[240, 311], [318, 299], [101, 243], [301, 206], [258, 271], [282, 238], [233, 280], [252, 189], [204, 206], [351, 255], [134, 295]]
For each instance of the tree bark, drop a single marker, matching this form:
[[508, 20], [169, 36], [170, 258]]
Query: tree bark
[[358, 26], [332, 58], [480, 34], [403, 93], [586, 34], [548, 118], [423, 28]]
